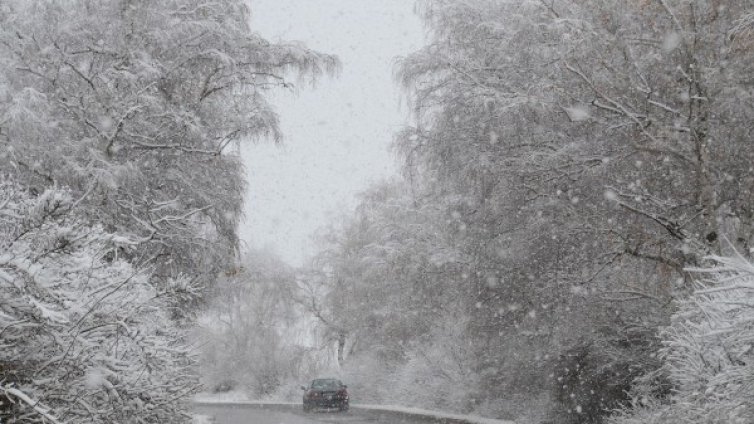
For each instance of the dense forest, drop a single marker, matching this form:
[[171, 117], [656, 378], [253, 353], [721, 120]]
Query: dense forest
[[568, 242]]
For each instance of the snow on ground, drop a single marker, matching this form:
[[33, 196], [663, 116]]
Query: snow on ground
[[471, 419], [231, 396], [238, 398], [202, 419], [241, 399]]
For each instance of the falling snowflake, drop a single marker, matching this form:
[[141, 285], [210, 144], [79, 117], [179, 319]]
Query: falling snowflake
[[577, 113], [671, 42]]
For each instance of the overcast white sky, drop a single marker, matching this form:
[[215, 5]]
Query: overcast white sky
[[337, 135]]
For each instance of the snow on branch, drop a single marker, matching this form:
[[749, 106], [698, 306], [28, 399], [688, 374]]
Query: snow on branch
[[35, 405], [707, 354], [83, 333]]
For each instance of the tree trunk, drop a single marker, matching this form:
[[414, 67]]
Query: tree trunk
[[341, 347]]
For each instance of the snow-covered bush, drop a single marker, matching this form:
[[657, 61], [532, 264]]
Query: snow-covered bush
[[83, 336], [708, 354], [440, 374], [437, 373], [593, 377]]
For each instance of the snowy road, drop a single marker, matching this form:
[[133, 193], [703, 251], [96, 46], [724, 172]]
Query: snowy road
[[245, 414]]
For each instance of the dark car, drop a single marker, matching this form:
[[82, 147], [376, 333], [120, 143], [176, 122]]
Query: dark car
[[325, 393]]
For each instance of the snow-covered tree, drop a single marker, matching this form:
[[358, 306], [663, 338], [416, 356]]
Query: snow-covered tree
[[139, 105], [119, 127], [594, 149], [707, 354], [85, 337]]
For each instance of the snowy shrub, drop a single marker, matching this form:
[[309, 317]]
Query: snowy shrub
[[440, 374], [83, 336], [437, 373], [707, 354], [593, 378], [371, 379]]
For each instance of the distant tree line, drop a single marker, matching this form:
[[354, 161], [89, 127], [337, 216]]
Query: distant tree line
[[254, 336]]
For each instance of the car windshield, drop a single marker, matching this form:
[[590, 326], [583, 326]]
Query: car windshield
[[327, 384]]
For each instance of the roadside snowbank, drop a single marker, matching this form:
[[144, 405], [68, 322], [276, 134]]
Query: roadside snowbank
[[202, 419], [471, 419], [232, 398]]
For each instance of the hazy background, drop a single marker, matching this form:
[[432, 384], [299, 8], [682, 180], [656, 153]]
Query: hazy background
[[337, 135]]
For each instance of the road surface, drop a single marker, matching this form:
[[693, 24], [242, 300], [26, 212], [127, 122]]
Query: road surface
[[251, 414]]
